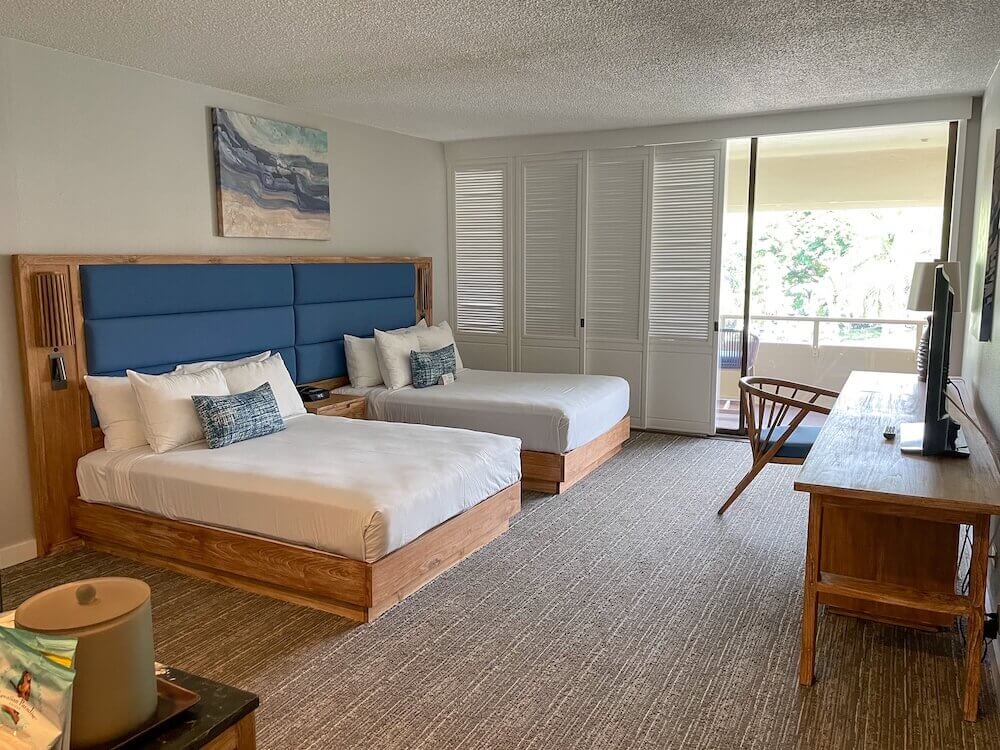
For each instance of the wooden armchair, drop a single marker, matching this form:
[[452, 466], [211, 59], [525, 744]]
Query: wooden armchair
[[774, 411]]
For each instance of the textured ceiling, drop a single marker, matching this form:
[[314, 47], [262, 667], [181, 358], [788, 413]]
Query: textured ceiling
[[452, 69]]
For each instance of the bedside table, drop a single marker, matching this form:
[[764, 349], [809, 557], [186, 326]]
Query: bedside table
[[339, 405]]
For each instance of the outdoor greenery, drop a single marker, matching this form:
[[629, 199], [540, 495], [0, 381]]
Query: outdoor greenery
[[850, 263]]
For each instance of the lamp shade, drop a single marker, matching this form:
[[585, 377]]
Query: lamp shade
[[922, 287]]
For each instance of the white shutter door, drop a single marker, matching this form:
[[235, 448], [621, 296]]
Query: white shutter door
[[480, 238], [550, 243], [685, 190], [480, 260], [685, 246], [617, 237], [615, 210]]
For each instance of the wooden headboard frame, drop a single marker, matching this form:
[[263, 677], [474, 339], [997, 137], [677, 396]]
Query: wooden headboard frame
[[60, 430]]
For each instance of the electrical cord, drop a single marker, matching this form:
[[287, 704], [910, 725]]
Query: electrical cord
[[958, 391], [961, 408]]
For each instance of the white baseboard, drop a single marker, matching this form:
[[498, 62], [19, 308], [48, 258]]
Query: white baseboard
[[17, 553]]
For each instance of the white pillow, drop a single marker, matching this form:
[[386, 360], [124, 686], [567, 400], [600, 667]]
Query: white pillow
[[201, 366], [362, 357], [272, 370], [168, 414], [117, 411], [362, 362], [437, 337], [394, 357]]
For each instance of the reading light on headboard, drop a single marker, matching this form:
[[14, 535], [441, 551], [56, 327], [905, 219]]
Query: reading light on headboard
[[55, 326]]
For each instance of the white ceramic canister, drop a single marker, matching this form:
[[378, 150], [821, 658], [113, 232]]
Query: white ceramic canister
[[115, 687]]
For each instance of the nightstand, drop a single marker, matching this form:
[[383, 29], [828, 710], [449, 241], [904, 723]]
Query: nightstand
[[339, 405]]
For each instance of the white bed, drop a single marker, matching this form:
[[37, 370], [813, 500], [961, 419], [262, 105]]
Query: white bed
[[356, 488], [549, 413]]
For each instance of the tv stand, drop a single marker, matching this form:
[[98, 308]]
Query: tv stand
[[883, 539], [911, 440]]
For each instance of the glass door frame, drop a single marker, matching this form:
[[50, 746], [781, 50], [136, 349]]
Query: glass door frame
[[741, 430], [946, 228]]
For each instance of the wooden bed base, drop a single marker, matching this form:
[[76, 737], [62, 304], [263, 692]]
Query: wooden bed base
[[60, 432], [557, 472], [358, 590]]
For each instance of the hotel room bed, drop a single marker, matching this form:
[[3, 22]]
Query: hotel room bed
[[549, 413], [343, 516], [349, 487], [568, 424]]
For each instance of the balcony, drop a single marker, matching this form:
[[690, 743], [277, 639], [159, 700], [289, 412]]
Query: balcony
[[815, 350]]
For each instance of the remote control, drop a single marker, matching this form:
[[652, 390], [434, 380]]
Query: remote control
[[890, 432]]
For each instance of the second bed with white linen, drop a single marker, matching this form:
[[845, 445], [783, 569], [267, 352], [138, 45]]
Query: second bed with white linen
[[355, 488], [548, 413]]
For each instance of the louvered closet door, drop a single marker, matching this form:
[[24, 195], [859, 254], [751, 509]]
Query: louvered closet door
[[617, 240], [685, 246], [550, 254], [480, 258]]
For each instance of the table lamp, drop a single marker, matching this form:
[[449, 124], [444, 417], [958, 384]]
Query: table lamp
[[922, 300]]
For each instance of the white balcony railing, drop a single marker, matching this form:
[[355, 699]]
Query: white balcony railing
[[823, 351], [884, 333]]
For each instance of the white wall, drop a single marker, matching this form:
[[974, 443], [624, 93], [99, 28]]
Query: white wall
[[981, 360], [934, 109], [981, 363], [99, 158]]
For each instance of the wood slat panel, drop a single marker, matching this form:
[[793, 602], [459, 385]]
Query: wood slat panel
[[55, 320]]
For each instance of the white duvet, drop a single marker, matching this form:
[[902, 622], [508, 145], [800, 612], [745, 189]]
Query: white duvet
[[550, 413], [355, 488]]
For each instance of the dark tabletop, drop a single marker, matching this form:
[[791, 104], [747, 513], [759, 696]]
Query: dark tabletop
[[220, 708]]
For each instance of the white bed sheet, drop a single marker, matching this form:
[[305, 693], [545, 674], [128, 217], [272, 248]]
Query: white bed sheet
[[356, 488], [550, 413]]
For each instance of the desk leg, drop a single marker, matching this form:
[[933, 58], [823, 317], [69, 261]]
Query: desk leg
[[810, 598], [974, 631]]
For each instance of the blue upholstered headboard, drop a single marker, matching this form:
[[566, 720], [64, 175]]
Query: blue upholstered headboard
[[153, 317]]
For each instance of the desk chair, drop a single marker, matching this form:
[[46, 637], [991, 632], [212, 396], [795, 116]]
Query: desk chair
[[774, 410]]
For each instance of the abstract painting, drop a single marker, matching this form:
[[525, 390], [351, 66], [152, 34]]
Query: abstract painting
[[992, 251], [272, 178]]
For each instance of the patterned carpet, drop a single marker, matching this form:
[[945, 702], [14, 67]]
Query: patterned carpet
[[624, 614]]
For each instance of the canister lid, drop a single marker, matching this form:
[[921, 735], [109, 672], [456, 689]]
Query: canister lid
[[81, 604]]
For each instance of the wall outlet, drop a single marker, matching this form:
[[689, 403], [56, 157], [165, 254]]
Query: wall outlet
[[991, 626]]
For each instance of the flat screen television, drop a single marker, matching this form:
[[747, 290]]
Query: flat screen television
[[938, 434]]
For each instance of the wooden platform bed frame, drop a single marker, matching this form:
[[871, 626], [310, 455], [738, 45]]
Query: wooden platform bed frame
[[60, 432], [555, 473]]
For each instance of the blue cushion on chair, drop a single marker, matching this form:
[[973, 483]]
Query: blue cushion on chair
[[797, 445]]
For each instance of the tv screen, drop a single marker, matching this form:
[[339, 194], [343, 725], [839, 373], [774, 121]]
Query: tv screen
[[940, 431]]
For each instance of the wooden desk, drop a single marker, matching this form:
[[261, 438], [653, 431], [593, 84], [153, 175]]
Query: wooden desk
[[883, 526]]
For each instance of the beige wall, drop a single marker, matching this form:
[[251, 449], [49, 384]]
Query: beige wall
[[859, 179], [981, 360], [100, 158]]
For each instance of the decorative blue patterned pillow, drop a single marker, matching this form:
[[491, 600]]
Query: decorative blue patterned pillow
[[427, 367], [242, 416]]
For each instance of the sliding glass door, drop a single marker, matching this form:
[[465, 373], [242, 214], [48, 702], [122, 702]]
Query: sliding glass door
[[821, 232]]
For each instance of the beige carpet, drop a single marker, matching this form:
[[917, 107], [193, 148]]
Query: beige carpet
[[624, 614]]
